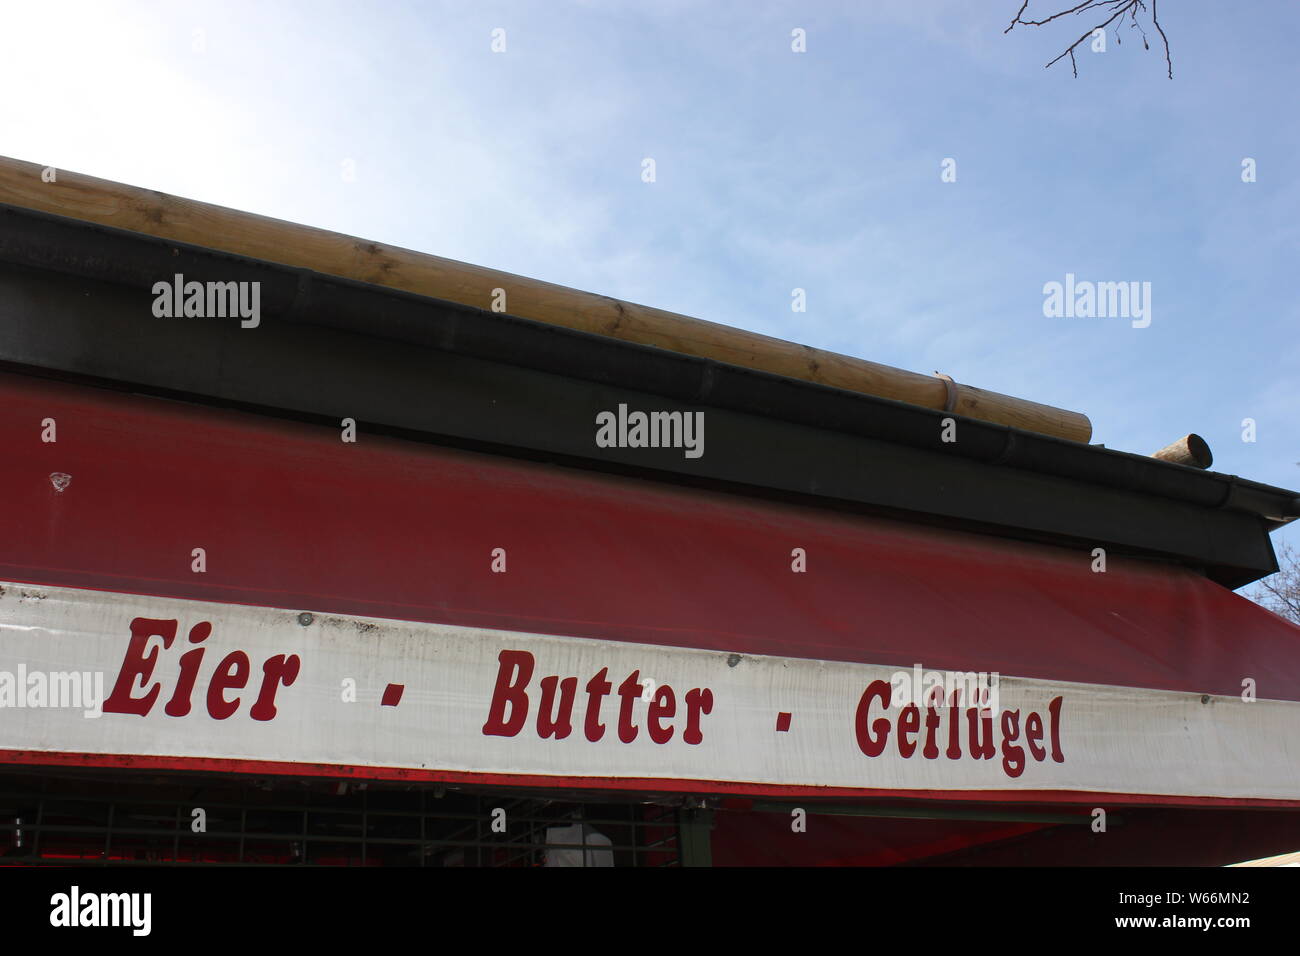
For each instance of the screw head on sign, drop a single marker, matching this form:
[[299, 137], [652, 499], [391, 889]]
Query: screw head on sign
[[305, 618], [60, 481]]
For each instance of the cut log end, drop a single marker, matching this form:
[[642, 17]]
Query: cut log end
[[1190, 450]]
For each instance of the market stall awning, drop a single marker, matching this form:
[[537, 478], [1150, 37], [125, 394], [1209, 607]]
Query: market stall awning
[[455, 588]]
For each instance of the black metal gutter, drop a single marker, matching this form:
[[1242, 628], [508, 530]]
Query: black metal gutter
[[479, 345]]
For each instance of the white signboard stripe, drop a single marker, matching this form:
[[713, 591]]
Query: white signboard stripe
[[90, 672]]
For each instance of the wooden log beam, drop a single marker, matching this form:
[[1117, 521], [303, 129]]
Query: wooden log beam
[[1190, 450], [258, 237]]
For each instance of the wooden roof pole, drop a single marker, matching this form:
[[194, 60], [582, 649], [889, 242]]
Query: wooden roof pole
[[259, 237]]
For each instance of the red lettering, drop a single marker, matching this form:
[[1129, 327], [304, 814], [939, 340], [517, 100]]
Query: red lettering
[[698, 701], [931, 750], [1054, 709], [1013, 755], [954, 727], [981, 727], [512, 677], [597, 688], [179, 705], [136, 663], [664, 705], [1034, 734], [509, 708], [278, 671], [869, 745], [550, 723], [232, 674], [909, 721], [629, 691]]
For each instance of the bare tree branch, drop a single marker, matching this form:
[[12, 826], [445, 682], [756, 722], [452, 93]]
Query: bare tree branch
[[1280, 592], [1163, 37], [1117, 10]]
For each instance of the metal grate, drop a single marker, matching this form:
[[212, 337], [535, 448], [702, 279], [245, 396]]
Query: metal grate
[[113, 818]]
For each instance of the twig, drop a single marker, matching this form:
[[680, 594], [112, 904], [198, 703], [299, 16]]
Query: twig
[[1117, 8], [1163, 37]]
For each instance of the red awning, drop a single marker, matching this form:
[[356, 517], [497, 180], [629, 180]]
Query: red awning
[[291, 516]]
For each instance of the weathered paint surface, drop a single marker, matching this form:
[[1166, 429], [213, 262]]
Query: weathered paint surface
[[269, 688]]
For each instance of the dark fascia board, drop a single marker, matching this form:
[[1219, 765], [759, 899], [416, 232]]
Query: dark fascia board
[[441, 371]]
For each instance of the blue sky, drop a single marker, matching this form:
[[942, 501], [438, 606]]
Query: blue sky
[[775, 170]]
